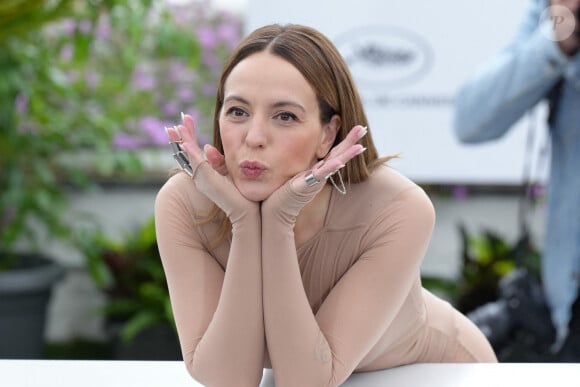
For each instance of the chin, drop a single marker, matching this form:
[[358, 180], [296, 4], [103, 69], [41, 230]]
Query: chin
[[255, 192]]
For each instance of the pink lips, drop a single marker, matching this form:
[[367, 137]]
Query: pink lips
[[252, 169]]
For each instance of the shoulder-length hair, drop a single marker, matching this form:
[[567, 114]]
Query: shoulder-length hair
[[318, 60]]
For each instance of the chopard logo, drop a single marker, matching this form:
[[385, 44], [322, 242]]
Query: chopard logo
[[385, 56]]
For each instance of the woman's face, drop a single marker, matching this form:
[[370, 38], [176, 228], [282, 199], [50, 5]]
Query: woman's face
[[270, 125]]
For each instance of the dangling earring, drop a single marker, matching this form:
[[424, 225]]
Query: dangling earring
[[342, 188]]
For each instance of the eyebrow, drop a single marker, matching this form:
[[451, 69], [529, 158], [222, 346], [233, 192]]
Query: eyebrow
[[274, 105]]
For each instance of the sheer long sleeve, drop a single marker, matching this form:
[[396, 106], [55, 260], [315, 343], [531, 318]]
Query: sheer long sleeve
[[218, 310], [323, 349]]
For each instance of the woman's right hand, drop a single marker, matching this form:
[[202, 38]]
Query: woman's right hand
[[210, 174]]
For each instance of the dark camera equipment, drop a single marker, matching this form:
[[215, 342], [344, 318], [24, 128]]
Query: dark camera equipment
[[520, 306]]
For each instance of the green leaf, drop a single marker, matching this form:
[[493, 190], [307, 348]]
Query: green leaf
[[137, 324]]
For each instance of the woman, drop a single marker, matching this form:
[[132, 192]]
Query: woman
[[290, 245]]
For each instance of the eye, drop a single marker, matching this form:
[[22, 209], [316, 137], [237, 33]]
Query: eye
[[286, 116], [236, 112]]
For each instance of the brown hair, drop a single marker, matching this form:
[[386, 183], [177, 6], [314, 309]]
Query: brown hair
[[321, 64], [323, 67]]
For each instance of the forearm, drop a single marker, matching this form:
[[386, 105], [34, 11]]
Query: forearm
[[298, 350], [232, 349]]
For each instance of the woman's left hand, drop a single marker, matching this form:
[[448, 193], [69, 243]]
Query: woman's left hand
[[335, 160], [291, 197]]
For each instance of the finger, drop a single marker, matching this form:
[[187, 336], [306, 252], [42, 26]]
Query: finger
[[187, 129], [172, 135], [190, 144], [215, 159], [332, 165], [350, 153], [188, 132], [355, 134], [188, 121]]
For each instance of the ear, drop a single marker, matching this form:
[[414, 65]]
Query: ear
[[329, 132]]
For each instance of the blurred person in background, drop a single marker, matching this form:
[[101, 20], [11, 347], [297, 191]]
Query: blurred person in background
[[540, 63]]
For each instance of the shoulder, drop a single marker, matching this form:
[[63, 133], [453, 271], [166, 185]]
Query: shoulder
[[386, 186], [384, 194]]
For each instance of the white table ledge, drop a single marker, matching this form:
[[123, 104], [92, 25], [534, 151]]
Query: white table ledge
[[98, 373]]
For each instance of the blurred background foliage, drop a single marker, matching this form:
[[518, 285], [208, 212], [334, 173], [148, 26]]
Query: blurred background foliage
[[130, 273], [86, 90]]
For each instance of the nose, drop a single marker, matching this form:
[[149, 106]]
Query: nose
[[256, 136]]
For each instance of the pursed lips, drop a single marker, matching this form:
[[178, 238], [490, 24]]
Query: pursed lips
[[252, 169]]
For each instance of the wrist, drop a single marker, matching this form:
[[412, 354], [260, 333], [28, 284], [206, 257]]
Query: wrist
[[247, 217]]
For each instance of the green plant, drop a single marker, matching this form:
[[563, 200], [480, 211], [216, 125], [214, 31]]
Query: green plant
[[39, 126], [485, 259], [131, 274], [85, 87]]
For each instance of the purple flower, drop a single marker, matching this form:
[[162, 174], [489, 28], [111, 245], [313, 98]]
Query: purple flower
[[66, 53], [171, 108], [103, 31], [154, 128], [207, 37], [185, 94], [92, 79], [537, 190], [460, 192], [21, 103], [68, 26], [228, 33], [142, 80], [85, 26], [127, 142], [177, 71], [209, 59], [209, 90]]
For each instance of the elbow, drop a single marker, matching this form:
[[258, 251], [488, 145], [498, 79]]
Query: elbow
[[468, 121], [330, 374], [465, 128], [220, 375], [196, 373], [466, 134]]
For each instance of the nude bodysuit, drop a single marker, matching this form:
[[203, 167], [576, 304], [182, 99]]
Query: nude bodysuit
[[347, 300]]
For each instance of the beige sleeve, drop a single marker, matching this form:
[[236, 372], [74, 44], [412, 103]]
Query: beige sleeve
[[218, 314], [324, 349]]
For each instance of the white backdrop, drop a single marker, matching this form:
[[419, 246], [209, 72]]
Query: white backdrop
[[408, 59]]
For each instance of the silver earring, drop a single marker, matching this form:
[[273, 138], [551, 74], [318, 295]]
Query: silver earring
[[342, 188]]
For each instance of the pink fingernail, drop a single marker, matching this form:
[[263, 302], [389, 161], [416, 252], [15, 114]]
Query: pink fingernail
[[362, 132], [182, 116], [361, 151]]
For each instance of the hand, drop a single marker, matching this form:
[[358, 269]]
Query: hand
[[563, 24], [185, 134], [296, 193], [211, 176], [335, 160]]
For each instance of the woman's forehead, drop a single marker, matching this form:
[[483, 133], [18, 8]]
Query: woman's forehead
[[269, 76]]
